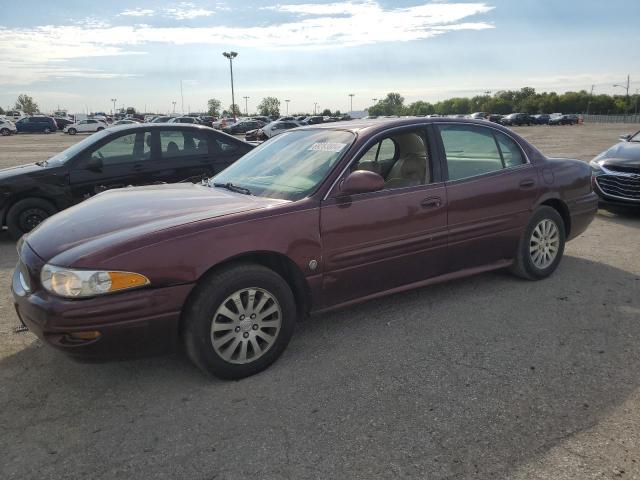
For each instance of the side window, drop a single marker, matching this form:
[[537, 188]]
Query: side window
[[178, 143], [82, 122], [470, 151], [511, 152], [130, 148], [402, 160], [225, 147]]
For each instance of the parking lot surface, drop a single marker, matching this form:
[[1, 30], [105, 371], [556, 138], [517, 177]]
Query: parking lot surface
[[489, 377]]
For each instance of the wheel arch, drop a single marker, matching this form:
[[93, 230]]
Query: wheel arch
[[561, 207], [279, 263]]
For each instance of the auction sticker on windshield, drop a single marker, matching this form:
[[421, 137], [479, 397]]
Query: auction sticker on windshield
[[327, 147]]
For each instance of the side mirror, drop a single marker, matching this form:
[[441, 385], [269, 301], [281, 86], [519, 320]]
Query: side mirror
[[361, 181], [94, 164], [625, 137]]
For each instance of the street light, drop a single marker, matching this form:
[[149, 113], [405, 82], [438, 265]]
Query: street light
[[174, 106], [246, 108], [114, 100], [287, 102], [231, 56], [351, 95], [315, 104], [625, 86]]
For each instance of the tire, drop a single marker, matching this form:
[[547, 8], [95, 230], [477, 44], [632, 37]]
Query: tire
[[212, 307], [100, 128], [72, 131], [27, 214], [531, 262], [5, 132], [47, 130]]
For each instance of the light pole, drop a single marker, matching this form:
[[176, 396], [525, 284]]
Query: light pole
[[114, 100], [375, 101], [246, 107], [287, 102], [626, 87], [351, 95], [174, 106], [231, 56], [315, 104], [637, 90]]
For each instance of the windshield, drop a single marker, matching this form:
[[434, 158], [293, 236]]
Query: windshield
[[290, 166], [65, 155]]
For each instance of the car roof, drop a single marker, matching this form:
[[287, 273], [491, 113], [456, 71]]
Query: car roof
[[373, 125], [156, 126]]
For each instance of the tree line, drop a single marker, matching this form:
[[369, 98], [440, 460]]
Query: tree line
[[525, 100]]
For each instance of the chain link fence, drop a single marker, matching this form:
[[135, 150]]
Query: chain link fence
[[629, 118]]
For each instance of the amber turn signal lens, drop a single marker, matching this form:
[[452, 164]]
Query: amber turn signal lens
[[89, 335], [124, 280]]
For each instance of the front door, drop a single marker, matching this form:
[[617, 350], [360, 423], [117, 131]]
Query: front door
[[491, 189], [377, 241], [118, 162]]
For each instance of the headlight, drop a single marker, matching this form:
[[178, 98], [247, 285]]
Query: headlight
[[88, 283], [595, 166]]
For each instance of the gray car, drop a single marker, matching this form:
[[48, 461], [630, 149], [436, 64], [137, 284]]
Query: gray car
[[616, 172]]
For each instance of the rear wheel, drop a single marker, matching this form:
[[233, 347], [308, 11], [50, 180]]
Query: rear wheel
[[5, 132], [72, 131], [239, 321], [542, 245], [47, 130], [27, 214]]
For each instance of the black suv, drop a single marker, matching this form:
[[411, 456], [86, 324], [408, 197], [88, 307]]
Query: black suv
[[122, 156]]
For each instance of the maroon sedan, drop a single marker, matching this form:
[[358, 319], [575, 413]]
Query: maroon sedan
[[316, 218]]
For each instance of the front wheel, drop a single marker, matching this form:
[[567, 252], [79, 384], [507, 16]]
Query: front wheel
[[5, 132], [72, 131], [27, 214], [542, 245], [239, 321]]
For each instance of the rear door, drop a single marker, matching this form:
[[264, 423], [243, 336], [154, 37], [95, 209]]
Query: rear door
[[491, 189], [116, 162]]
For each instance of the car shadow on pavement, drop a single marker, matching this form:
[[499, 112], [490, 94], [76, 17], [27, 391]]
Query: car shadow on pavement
[[621, 215], [469, 379]]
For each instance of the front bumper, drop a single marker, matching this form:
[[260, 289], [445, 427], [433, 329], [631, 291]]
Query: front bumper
[[135, 323]]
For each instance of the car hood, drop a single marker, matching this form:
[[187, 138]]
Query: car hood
[[11, 172], [117, 216], [621, 152]]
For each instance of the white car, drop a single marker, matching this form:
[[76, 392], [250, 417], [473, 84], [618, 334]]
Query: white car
[[124, 121], [7, 127], [276, 128], [89, 125]]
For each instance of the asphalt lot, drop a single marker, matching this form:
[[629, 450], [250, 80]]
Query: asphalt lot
[[488, 377]]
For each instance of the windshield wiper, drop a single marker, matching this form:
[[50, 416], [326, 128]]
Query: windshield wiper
[[234, 188]]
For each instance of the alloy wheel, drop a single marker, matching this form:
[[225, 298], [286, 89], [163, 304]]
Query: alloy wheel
[[246, 325], [544, 243]]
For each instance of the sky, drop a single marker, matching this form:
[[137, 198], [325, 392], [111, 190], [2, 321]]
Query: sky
[[79, 55]]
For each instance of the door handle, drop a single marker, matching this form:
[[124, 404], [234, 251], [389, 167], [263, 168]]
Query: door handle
[[527, 183], [431, 202]]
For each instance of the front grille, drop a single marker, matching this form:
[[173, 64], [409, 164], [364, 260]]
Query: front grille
[[621, 186], [623, 168]]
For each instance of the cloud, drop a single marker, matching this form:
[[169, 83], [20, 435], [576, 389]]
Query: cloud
[[137, 12], [44, 49], [187, 11]]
